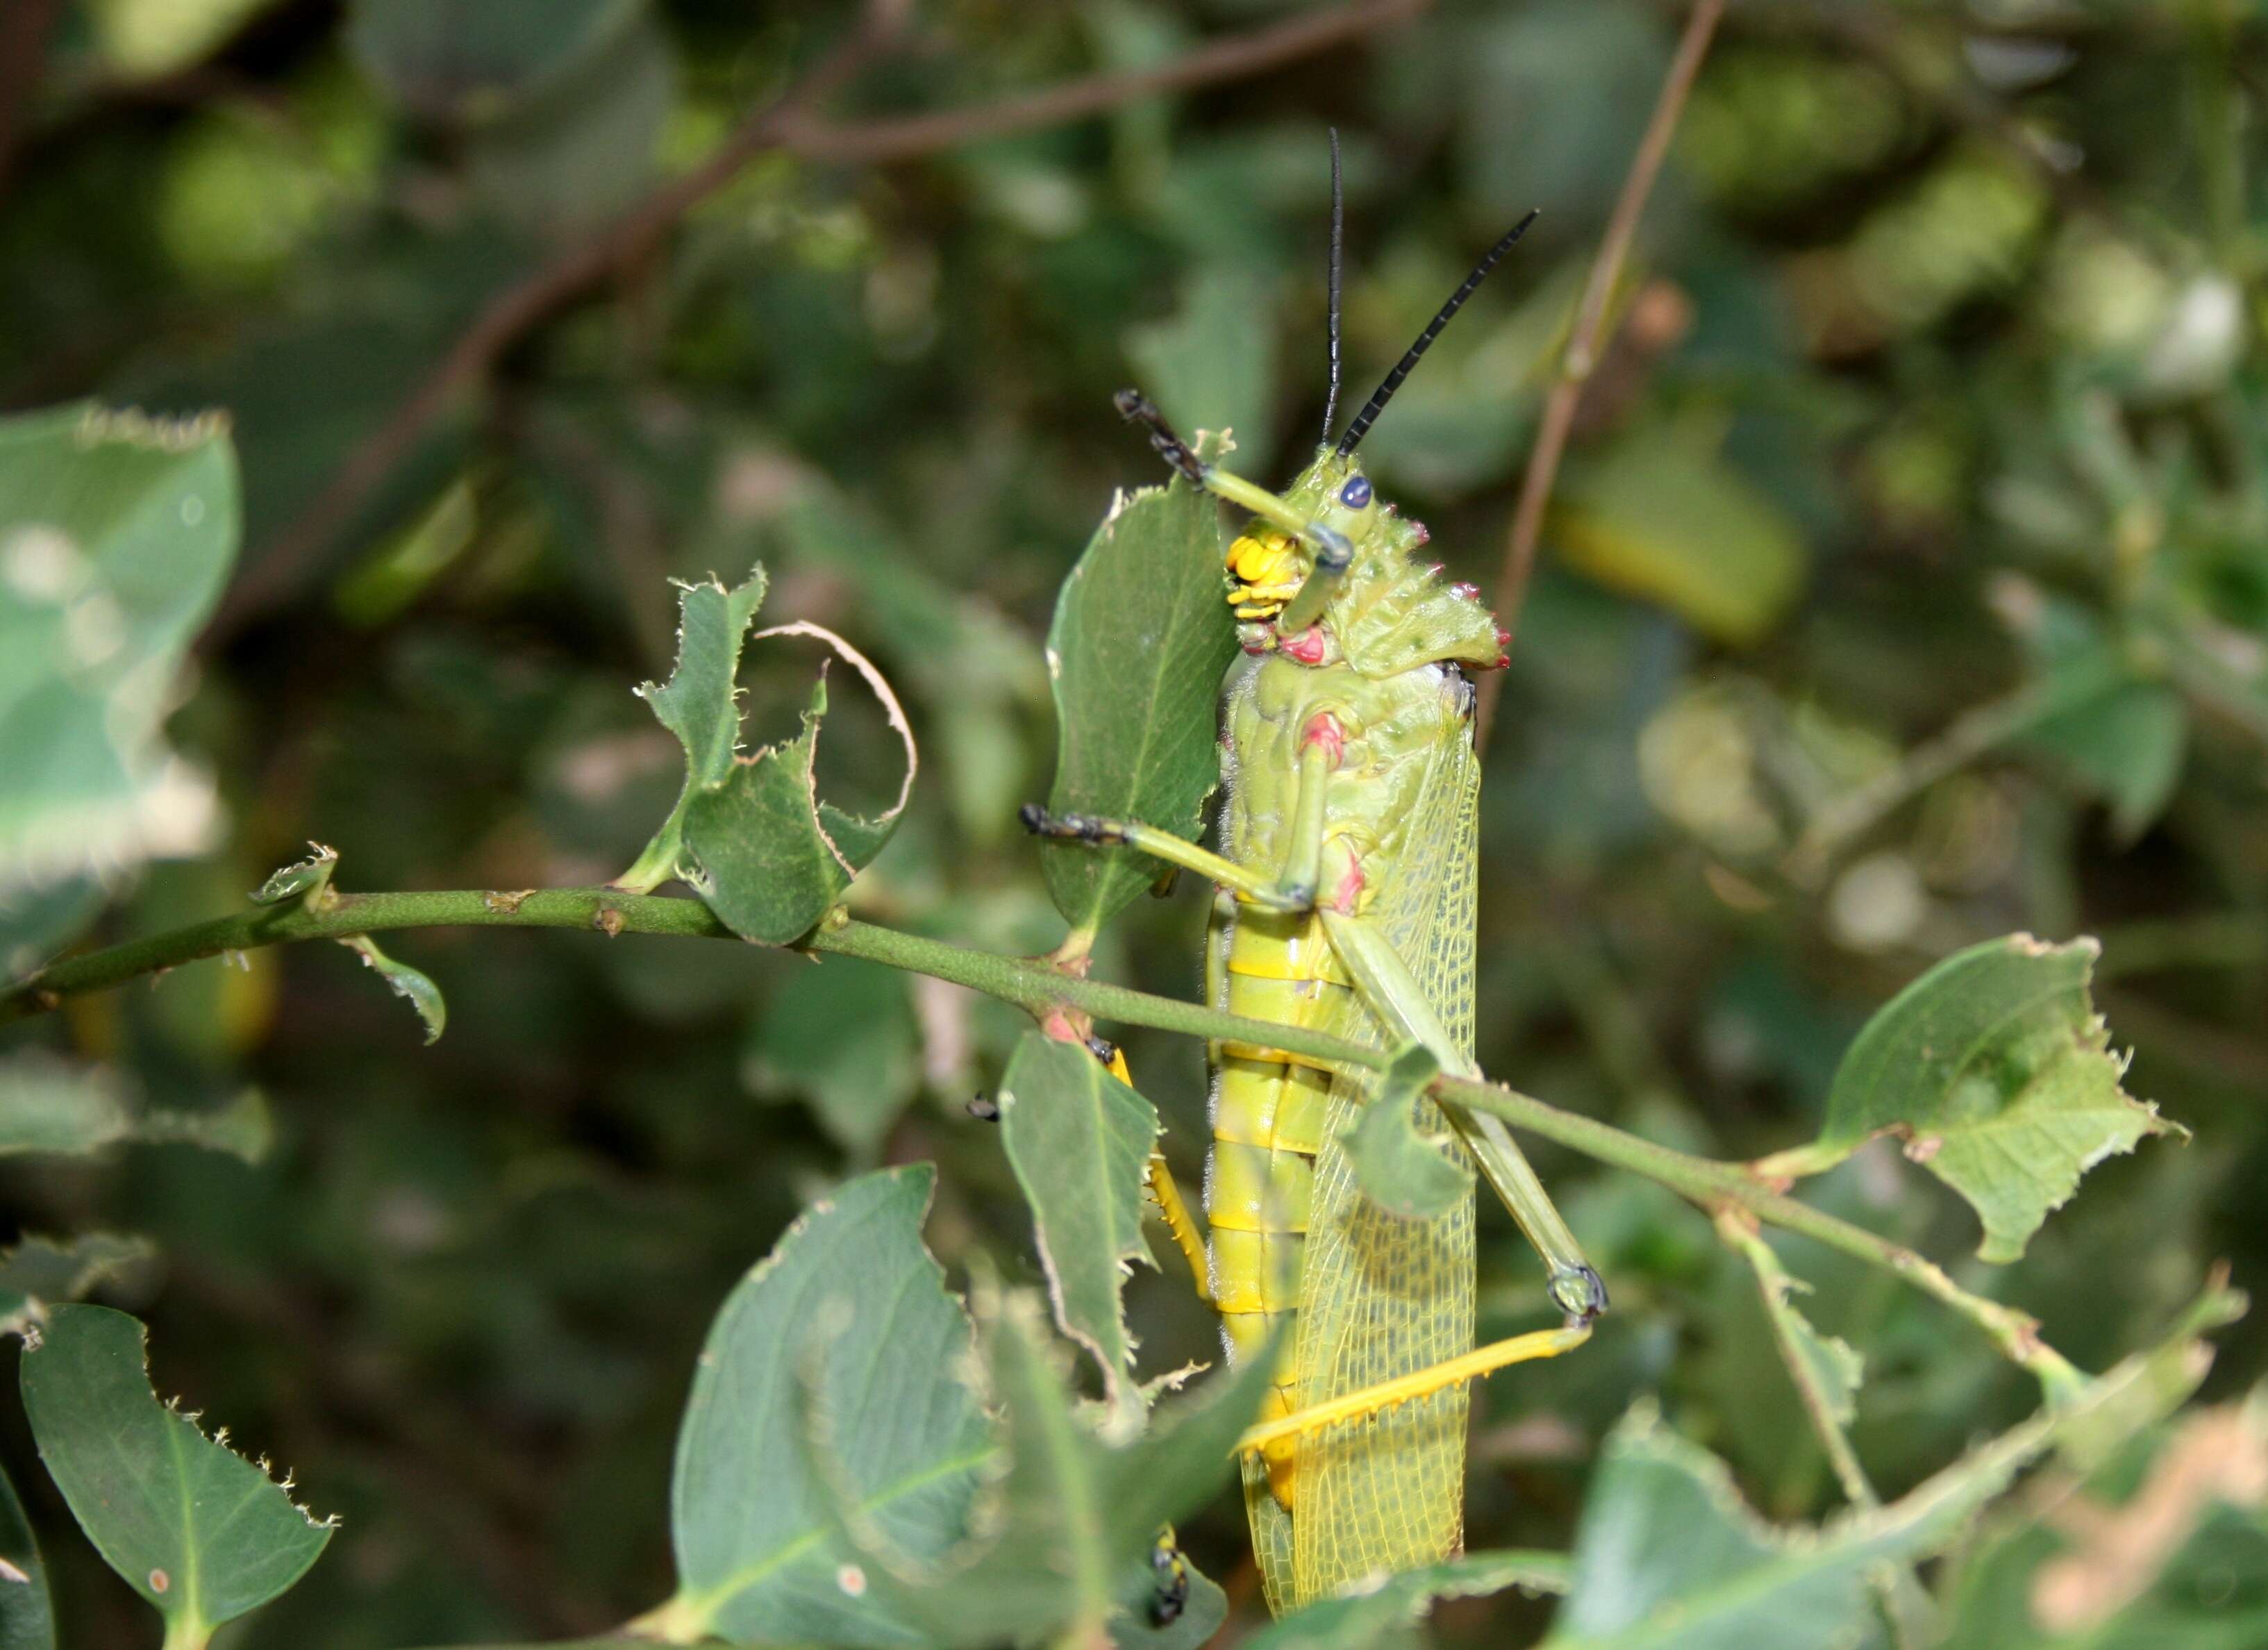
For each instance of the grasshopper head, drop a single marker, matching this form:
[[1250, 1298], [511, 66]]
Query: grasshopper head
[[1385, 611]]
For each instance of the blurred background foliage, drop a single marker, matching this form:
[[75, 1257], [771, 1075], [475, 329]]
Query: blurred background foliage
[[1907, 584]]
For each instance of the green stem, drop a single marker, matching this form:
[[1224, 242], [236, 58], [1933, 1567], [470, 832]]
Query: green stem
[[1039, 989]]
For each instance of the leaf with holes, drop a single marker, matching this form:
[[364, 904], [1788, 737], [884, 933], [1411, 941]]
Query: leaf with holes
[[197, 1531], [1998, 1072], [1080, 1141]]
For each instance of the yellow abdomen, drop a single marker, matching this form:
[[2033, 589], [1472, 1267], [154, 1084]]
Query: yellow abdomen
[[1267, 1127]]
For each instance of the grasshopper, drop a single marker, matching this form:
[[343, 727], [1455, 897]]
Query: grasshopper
[[1345, 904]]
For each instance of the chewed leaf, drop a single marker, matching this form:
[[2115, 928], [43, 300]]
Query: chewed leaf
[[40, 1271], [700, 705], [1140, 641], [48, 1104], [1828, 1369], [1360, 1620], [1398, 1168], [411, 983], [308, 881], [760, 847], [1998, 1072], [195, 1528], [1079, 1139]]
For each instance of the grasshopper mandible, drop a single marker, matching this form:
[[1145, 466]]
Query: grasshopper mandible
[[1345, 905]]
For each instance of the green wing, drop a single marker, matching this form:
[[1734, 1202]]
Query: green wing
[[1382, 1296]]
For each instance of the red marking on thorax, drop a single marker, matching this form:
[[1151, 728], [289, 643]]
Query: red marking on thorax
[[1325, 730], [1308, 646], [1348, 895]]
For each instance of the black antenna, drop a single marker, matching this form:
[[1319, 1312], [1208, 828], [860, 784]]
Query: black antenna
[[1384, 393], [1338, 256]]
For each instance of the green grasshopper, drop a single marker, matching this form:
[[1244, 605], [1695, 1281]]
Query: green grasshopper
[[1345, 905]]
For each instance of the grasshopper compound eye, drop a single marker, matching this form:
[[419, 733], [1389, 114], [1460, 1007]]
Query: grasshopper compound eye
[[1356, 494]]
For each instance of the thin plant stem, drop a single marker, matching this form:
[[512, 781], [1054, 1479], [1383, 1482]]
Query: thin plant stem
[[1581, 354], [1042, 991], [1905, 1602]]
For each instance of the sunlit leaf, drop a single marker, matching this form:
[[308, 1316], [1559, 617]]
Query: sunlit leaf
[[850, 1299], [1140, 641], [1398, 1168], [1995, 1069], [1080, 1139], [1661, 516], [1387, 1614], [197, 1531], [116, 532]]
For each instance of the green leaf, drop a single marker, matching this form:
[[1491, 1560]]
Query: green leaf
[[750, 835], [1667, 1557], [307, 881], [1211, 364], [1075, 1511], [40, 1271], [48, 1104], [1995, 1070], [196, 1529], [37, 924], [1660, 515], [842, 1032], [1079, 1141], [1399, 1169], [1387, 1614], [2128, 746], [699, 704], [412, 985], [1826, 1365], [1140, 641], [850, 1299], [27, 1621], [116, 532]]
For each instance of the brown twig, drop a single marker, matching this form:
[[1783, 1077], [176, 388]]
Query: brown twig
[[793, 124], [1584, 342]]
